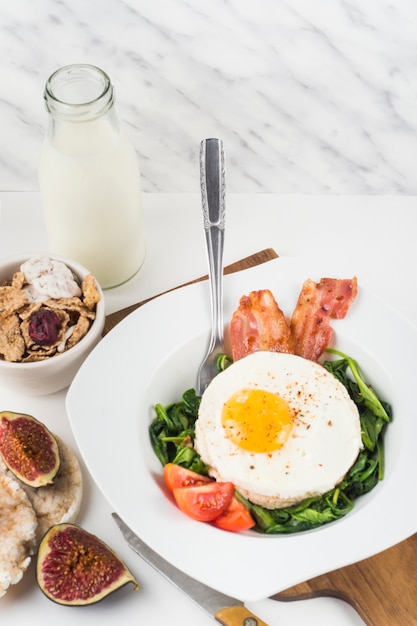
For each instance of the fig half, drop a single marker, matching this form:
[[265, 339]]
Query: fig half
[[28, 448], [74, 567]]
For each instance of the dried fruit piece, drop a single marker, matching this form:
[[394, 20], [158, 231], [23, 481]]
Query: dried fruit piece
[[44, 327], [75, 567], [28, 448]]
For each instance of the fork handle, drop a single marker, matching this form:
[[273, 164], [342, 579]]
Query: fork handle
[[212, 182]]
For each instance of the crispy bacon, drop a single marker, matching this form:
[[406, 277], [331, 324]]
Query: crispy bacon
[[318, 303], [259, 323]]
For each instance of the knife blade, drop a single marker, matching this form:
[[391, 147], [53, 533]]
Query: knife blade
[[225, 609]]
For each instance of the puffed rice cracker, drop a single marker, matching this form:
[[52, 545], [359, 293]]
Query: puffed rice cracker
[[18, 524], [61, 501]]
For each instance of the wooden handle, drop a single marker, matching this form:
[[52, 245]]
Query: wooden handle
[[238, 616]]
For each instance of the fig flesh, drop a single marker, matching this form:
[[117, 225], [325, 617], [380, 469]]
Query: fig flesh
[[77, 568], [28, 449]]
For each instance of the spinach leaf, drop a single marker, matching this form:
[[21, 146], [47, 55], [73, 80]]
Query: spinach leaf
[[172, 432], [368, 396]]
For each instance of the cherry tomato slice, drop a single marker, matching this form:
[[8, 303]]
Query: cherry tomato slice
[[177, 476], [235, 518], [206, 502]]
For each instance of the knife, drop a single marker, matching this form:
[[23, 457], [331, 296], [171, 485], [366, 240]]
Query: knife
[[226, 610]]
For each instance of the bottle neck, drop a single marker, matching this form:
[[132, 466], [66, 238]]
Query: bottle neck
[[79, 93]]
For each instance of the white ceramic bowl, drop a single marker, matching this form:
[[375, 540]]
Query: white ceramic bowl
[[51, 375]]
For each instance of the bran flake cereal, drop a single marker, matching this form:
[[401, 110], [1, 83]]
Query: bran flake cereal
[[44, 311]]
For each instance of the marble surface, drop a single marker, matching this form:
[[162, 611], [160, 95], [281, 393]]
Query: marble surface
[[309, 97]]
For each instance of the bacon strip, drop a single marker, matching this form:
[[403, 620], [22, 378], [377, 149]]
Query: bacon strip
[[317, 304], [258, 324]]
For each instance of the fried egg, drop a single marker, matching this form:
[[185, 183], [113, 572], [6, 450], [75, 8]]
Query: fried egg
[[280, 427]]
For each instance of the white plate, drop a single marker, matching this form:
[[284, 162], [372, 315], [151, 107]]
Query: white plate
[[153, 355]]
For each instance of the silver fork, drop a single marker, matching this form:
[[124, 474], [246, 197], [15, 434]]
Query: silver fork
[[212, 182]]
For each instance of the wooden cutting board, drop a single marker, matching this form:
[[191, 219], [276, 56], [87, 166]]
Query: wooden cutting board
[[382, 588]]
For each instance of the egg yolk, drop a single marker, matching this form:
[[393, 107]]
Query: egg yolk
[[257, 420]]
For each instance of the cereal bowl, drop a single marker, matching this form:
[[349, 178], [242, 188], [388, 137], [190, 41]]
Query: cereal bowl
[[55, 371]]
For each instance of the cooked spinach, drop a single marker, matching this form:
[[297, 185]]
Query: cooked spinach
[[172, 438], [172, 432]]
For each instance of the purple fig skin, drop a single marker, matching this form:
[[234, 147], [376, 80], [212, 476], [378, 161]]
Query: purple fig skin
[[28, 448], [76, 568]]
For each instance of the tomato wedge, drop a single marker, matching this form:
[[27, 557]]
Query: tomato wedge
[[235, 518], [205, 502], [176, 476]]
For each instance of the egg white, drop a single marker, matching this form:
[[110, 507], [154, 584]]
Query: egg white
[[325, 440]]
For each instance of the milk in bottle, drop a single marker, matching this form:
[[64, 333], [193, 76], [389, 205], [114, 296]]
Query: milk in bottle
[[89, 178]]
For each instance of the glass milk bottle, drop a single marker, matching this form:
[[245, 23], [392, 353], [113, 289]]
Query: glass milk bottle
[[89, 177]]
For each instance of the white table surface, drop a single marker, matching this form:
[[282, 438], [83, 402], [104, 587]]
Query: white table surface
[[377, 234]]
